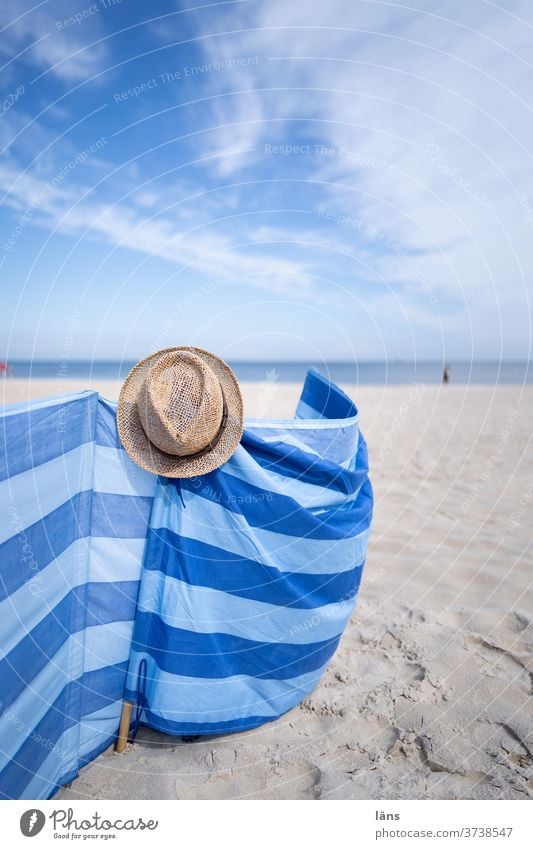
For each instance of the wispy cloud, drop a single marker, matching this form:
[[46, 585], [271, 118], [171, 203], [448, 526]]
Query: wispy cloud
[[71, 209], [333, 151], [424, 114], [36, 35]]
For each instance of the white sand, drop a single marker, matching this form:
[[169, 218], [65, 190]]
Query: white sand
[[429, 694]]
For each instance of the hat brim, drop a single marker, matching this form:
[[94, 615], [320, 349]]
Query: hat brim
[[146, 454]]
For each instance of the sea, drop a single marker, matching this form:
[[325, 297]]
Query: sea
[[395, 372]]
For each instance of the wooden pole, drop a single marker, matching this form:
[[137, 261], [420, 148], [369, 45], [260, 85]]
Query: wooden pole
[[124, 727]]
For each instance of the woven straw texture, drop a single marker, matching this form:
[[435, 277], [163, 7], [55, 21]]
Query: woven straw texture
[[179, 402]]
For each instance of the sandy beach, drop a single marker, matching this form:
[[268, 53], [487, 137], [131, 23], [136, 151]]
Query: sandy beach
[[429, 694]]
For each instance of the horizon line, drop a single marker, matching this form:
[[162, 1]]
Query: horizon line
[[391, 361]]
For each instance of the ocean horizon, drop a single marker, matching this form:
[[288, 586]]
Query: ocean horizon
[[379, 373]]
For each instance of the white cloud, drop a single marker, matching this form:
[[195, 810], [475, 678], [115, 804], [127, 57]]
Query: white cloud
[[203, 249], [36, 33], [427, 111], [383, 83]]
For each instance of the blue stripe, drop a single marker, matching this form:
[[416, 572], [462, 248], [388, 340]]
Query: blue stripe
[[201, 519], [195, 700], [93, 691], [72, 774], [111, 602], [39, 435], [106, 425], [46, 539], [120, 515], [25, 437], [93, 734], [292, 462], [168, 726], [24, 609], [279, 513], [331, 442], [326, 398], [105, 645], [124, 516], [223, 655], [206, 565], [208, 611], [90, 604]]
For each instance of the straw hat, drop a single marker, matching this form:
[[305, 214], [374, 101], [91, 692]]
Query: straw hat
[[180, 412]]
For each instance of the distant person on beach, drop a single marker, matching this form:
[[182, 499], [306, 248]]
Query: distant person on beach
[[5, 369], [446, 375]]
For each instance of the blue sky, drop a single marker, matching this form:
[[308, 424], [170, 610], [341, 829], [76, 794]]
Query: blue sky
[[266, 179]]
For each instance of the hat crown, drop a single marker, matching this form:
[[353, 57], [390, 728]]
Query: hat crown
[[181, 404], [180, 412]]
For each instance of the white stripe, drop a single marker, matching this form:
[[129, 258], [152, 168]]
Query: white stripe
[[108, 644], [35, 493], [204, 610], [210, 523], [114, 472], [116, 559], [289, 438], [21, 611], [310, 496], [75, 743], [42, 403], [314, 443], [308, 413], [61, 761], [181, 698], [110, 560], [303, 424]]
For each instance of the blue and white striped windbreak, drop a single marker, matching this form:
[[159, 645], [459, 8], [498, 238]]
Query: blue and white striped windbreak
[[73, 517], [237, 585]]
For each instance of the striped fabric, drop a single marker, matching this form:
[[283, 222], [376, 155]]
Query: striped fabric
[[250, 573], [249, 576], [73, 517]]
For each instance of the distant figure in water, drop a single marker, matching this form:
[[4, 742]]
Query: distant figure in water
[[446, 375], [5, 369]]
